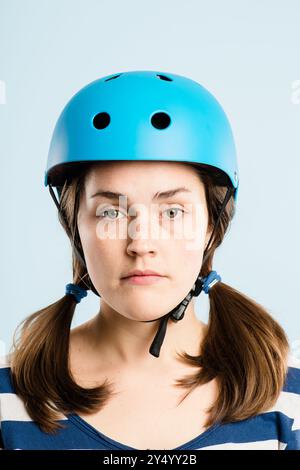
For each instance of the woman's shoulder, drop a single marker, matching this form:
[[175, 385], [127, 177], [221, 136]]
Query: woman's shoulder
[[291, 388], [292, 383], [5, 377], [12, 407], [287, 406]]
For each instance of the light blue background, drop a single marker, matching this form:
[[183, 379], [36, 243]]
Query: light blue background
[[245, 52]]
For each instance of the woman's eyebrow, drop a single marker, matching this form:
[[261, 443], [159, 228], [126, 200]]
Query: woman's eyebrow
[[159, 195]]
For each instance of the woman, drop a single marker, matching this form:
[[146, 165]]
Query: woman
[[145, 170]]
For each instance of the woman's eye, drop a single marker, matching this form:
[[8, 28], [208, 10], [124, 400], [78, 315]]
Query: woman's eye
[[172, 209], [102, 216]]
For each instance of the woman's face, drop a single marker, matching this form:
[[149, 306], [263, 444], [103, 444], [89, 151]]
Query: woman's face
[[140, 230]]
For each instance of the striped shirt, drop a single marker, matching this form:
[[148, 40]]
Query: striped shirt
[[276, 429]]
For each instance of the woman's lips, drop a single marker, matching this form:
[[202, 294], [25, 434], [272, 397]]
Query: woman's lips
[[143, 280]]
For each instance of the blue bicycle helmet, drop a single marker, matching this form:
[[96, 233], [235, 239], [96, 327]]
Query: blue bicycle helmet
[[137, 116]]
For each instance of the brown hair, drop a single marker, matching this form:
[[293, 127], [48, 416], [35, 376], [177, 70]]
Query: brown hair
[[244, 348]]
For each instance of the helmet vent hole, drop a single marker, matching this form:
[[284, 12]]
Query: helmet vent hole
[[164, 77], [160, 120], [101, 120], [112, 78]]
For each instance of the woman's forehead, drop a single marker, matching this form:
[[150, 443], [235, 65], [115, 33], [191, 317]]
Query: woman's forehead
[[151, 177]]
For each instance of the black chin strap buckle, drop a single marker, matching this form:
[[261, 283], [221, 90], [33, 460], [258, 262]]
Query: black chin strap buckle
[[159, 337], [198, 286], [176, 314]]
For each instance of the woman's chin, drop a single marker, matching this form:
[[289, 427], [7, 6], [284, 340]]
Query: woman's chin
[[142, 315]]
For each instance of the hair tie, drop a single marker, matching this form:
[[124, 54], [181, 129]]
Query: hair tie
[[210, 280], [76, 291]]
